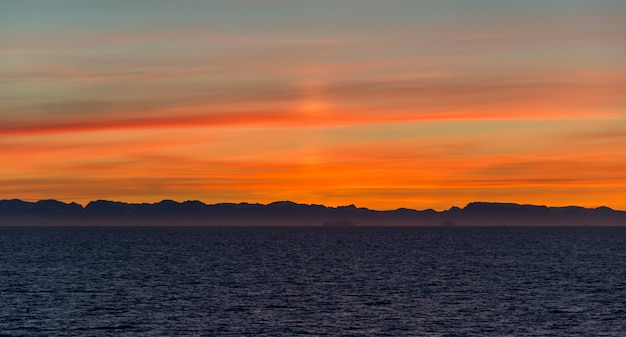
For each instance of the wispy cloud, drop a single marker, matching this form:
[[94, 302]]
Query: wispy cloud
[[395, 104]]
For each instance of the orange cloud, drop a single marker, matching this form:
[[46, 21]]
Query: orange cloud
[[414, 172], [502, 105]]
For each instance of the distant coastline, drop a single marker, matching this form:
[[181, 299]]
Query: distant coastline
[[17, 212]]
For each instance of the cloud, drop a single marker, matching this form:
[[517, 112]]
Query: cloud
[[557, 95]]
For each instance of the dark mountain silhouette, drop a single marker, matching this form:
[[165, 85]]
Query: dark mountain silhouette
[[286, 213]]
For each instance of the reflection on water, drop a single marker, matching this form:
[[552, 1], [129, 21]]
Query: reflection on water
[[317, 281]]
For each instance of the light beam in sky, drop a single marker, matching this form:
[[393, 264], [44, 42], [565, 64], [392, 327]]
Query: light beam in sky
[[423, 104]]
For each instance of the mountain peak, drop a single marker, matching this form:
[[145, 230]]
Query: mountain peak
[[288, 213]]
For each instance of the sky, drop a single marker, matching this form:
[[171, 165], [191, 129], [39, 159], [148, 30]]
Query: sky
[[381, 104]]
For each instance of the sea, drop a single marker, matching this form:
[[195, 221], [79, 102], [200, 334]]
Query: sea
[[309, 281]]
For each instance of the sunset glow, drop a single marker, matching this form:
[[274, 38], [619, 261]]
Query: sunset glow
[[417, 104]]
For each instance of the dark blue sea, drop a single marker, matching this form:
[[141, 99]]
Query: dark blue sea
[[313, 281]]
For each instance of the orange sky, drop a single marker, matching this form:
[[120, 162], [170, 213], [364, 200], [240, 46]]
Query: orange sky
[[418, 105]]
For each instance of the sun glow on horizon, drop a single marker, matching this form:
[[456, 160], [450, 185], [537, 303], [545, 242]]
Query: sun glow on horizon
[[403, 104]]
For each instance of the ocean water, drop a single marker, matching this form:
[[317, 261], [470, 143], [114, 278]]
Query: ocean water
[[313, 281]]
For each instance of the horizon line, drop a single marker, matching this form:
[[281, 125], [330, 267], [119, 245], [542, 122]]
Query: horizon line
[[84, 205]]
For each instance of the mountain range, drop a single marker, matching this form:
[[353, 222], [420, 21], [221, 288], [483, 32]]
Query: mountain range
[[286, 213]]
